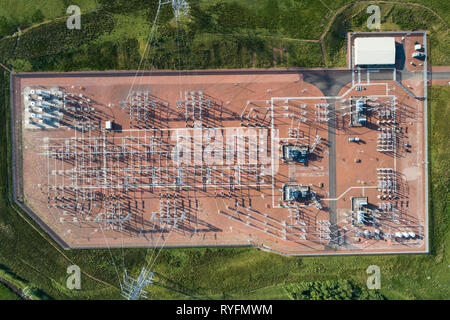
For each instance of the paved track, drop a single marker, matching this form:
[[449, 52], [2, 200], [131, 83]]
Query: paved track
[[332, 206], [439, 76]]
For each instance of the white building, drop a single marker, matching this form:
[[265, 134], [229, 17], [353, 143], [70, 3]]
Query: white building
[[108, 125], [374, 51]]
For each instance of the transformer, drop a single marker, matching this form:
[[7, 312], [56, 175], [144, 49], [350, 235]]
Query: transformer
[[297, 193], [295, 153]]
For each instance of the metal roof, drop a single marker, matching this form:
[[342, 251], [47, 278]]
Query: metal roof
[[375, 50]]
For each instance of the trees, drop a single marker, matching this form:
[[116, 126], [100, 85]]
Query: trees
[[37, 16], [331, 290], [6, 26], [20, 65]]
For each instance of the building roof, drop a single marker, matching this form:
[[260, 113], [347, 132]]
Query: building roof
[[375, 50]]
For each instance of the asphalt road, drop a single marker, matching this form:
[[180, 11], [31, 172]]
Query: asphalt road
[[330, 83], [439, 76], [332, 205]]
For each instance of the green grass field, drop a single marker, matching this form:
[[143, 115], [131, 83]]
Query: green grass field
[[214, 39], [25, 13], [7, 294], [225, 33]]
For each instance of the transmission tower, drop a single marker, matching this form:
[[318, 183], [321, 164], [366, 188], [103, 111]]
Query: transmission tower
[[133, 289], [316, 142], [180, 7]]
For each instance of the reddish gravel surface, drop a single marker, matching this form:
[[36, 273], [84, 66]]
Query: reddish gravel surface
[[211, 209]]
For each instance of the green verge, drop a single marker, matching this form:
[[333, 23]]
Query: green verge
[[7, 294], [27, 289], [331, 290], [439, 131]]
